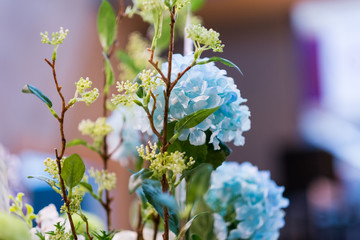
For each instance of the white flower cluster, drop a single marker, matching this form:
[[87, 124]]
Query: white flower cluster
[[181, 3], [165, 163], [127, 92], [52, 168], [97, 130], [149, 82], [74, 206], [85, 96], [57, 37], [104, 179], [204, 39]]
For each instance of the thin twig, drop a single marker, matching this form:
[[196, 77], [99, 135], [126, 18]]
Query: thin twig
[[105, 155], [156, 221], [87, 230], [63, 145], [156, 66]]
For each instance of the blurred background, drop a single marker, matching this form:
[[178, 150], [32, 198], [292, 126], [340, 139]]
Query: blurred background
[[301, 65]]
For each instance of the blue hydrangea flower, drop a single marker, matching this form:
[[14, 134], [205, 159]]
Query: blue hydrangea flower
[[204, 86], [241, 194], [121, 121]]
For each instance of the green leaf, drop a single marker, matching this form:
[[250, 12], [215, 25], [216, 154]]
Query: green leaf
[[78, 141], [106, 23], [158, 24], [217, 157], [73, 170], [195, 237], [88, 188], [222, 60], [186, 227], [194, 119], [109, 74], [125, 59], [198, 182], [203, 226], [31, 89], [196, 5], [137, 179], [163, 42], [158, 199], [201, 154], [198, 153], [49, 181]]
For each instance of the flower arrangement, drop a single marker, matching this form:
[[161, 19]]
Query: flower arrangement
[[173, 120]]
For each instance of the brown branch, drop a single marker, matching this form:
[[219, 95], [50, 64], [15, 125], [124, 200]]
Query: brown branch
[[156, 221], [167, 92], [164, 188], [105, 155], [171, 43], [156, 66], [121, 13], [62, 152], [152, 125], [87, 230], [140, 225]]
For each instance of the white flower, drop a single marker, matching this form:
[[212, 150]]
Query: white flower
[[46, 219]]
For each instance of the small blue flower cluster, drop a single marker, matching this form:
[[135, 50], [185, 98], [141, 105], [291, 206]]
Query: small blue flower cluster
[[205, 86], [246, 198]]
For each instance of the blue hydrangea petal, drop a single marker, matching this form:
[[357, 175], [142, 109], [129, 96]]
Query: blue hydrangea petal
[[220, 227], [255, 198], [184, 135], [204, 86], [197, 137]]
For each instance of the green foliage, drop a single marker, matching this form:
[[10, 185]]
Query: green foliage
[[203, 226], [195, 237], [33, 90], [73, 171], [78, 141], [222, 60], [127, 60], [103, 235], [52, 183], [198, 182], [186, 227], [201, 154], [196, 5], [109, 73], [40, 235], [194, 119], [107, 25], [13, 228], [158, 199], [89, 189], [138, 178], [95, 223], [163, 41]]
